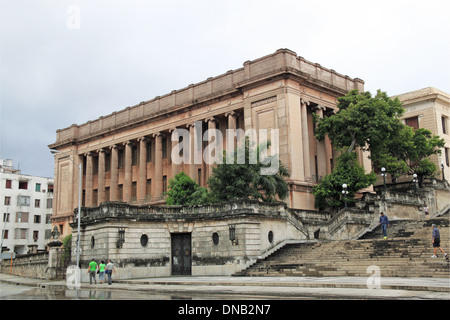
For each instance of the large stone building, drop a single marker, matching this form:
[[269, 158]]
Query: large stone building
[[26, 207], [126, 156], [429, 108]]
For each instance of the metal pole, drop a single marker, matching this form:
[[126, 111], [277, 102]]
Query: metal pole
[[79, 214]]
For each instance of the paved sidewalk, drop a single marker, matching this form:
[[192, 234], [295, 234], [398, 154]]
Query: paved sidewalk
[[268, 287]]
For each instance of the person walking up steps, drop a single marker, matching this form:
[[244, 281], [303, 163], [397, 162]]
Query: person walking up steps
[[384, 222], [437, 242]]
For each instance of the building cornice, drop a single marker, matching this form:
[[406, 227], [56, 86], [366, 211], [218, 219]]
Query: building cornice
[[282, 64]]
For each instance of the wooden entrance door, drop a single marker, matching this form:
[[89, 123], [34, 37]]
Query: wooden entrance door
[[181, 254]]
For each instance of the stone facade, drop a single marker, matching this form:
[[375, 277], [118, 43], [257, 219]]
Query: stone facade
[[429, 108], [222, 238], [126, 156]]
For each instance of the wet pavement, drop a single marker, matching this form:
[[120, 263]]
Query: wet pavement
[[224, 288]]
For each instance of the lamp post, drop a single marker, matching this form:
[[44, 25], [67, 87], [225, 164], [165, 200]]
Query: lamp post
[[442, 168], [415, 181], [383, 174], [344, 194], [79, 201]]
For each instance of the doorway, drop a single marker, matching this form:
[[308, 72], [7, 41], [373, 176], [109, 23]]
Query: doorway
[[181, 254]]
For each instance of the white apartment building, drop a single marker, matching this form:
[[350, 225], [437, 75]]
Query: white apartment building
[[26, 208]]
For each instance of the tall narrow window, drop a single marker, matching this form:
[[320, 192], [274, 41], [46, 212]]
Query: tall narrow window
[[149, 151], [134, 156], [444, 125], [38, 187], [164, 147], [120, 158], [134, 190], [149, 187], [164, 182], [447, 160]]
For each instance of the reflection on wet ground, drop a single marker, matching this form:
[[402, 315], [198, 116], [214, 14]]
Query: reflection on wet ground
[[10, 292]]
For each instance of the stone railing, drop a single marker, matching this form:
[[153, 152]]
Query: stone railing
[[32, 265]]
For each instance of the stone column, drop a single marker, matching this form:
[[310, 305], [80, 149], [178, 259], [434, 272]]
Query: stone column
[[192, 165], [113, 190], [305, 137], [127, 180], [142, 182], [211, 126], [158, 174], [101, 176], [232, 125], [89, 177], [175, 166]]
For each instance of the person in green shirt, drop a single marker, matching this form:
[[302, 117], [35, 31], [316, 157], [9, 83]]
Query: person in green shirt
[[101, 271], [92, 269]]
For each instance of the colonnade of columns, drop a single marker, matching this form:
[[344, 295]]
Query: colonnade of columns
[[138, 170]]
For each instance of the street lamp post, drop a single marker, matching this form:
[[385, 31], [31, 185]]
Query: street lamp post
[[79, 201], [344, 194], [442, 168], [383, 174], [415, 180]]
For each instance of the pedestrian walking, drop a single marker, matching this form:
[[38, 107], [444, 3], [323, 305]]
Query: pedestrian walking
[[101, 271], [109, 270], [425, 209], [437, 241], [92, 269], [384, 222]]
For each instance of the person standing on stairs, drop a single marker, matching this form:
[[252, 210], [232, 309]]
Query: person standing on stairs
[[384, 222], [437, 242]]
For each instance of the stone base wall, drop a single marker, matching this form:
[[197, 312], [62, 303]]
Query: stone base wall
[[34, 265]]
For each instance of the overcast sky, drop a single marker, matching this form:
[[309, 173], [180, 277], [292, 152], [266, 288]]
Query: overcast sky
[[66, 62]]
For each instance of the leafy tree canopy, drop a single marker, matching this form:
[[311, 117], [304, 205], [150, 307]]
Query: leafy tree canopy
[[328, 193], [236, 180], [182, 190]]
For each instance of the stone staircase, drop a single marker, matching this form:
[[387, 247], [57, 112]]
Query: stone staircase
[[406, 253]]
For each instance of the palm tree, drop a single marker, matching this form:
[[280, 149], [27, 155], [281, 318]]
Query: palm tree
[[246, 180]]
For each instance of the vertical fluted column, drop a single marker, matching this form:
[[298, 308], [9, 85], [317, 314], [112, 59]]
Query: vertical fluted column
[[142, 182], [157, 176], [305, 137], [127, 180], [89, 177], [175, 141], [232, 125], [192, 166], [211, 128], [101, 176], [114, 173]]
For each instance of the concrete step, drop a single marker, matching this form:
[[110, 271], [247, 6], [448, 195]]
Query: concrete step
[[408, 254]]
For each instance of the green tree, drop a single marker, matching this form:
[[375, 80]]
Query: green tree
[[362, 120], [425, 144], [182, 190], [67, 245], [244, 180], [328, 193]]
